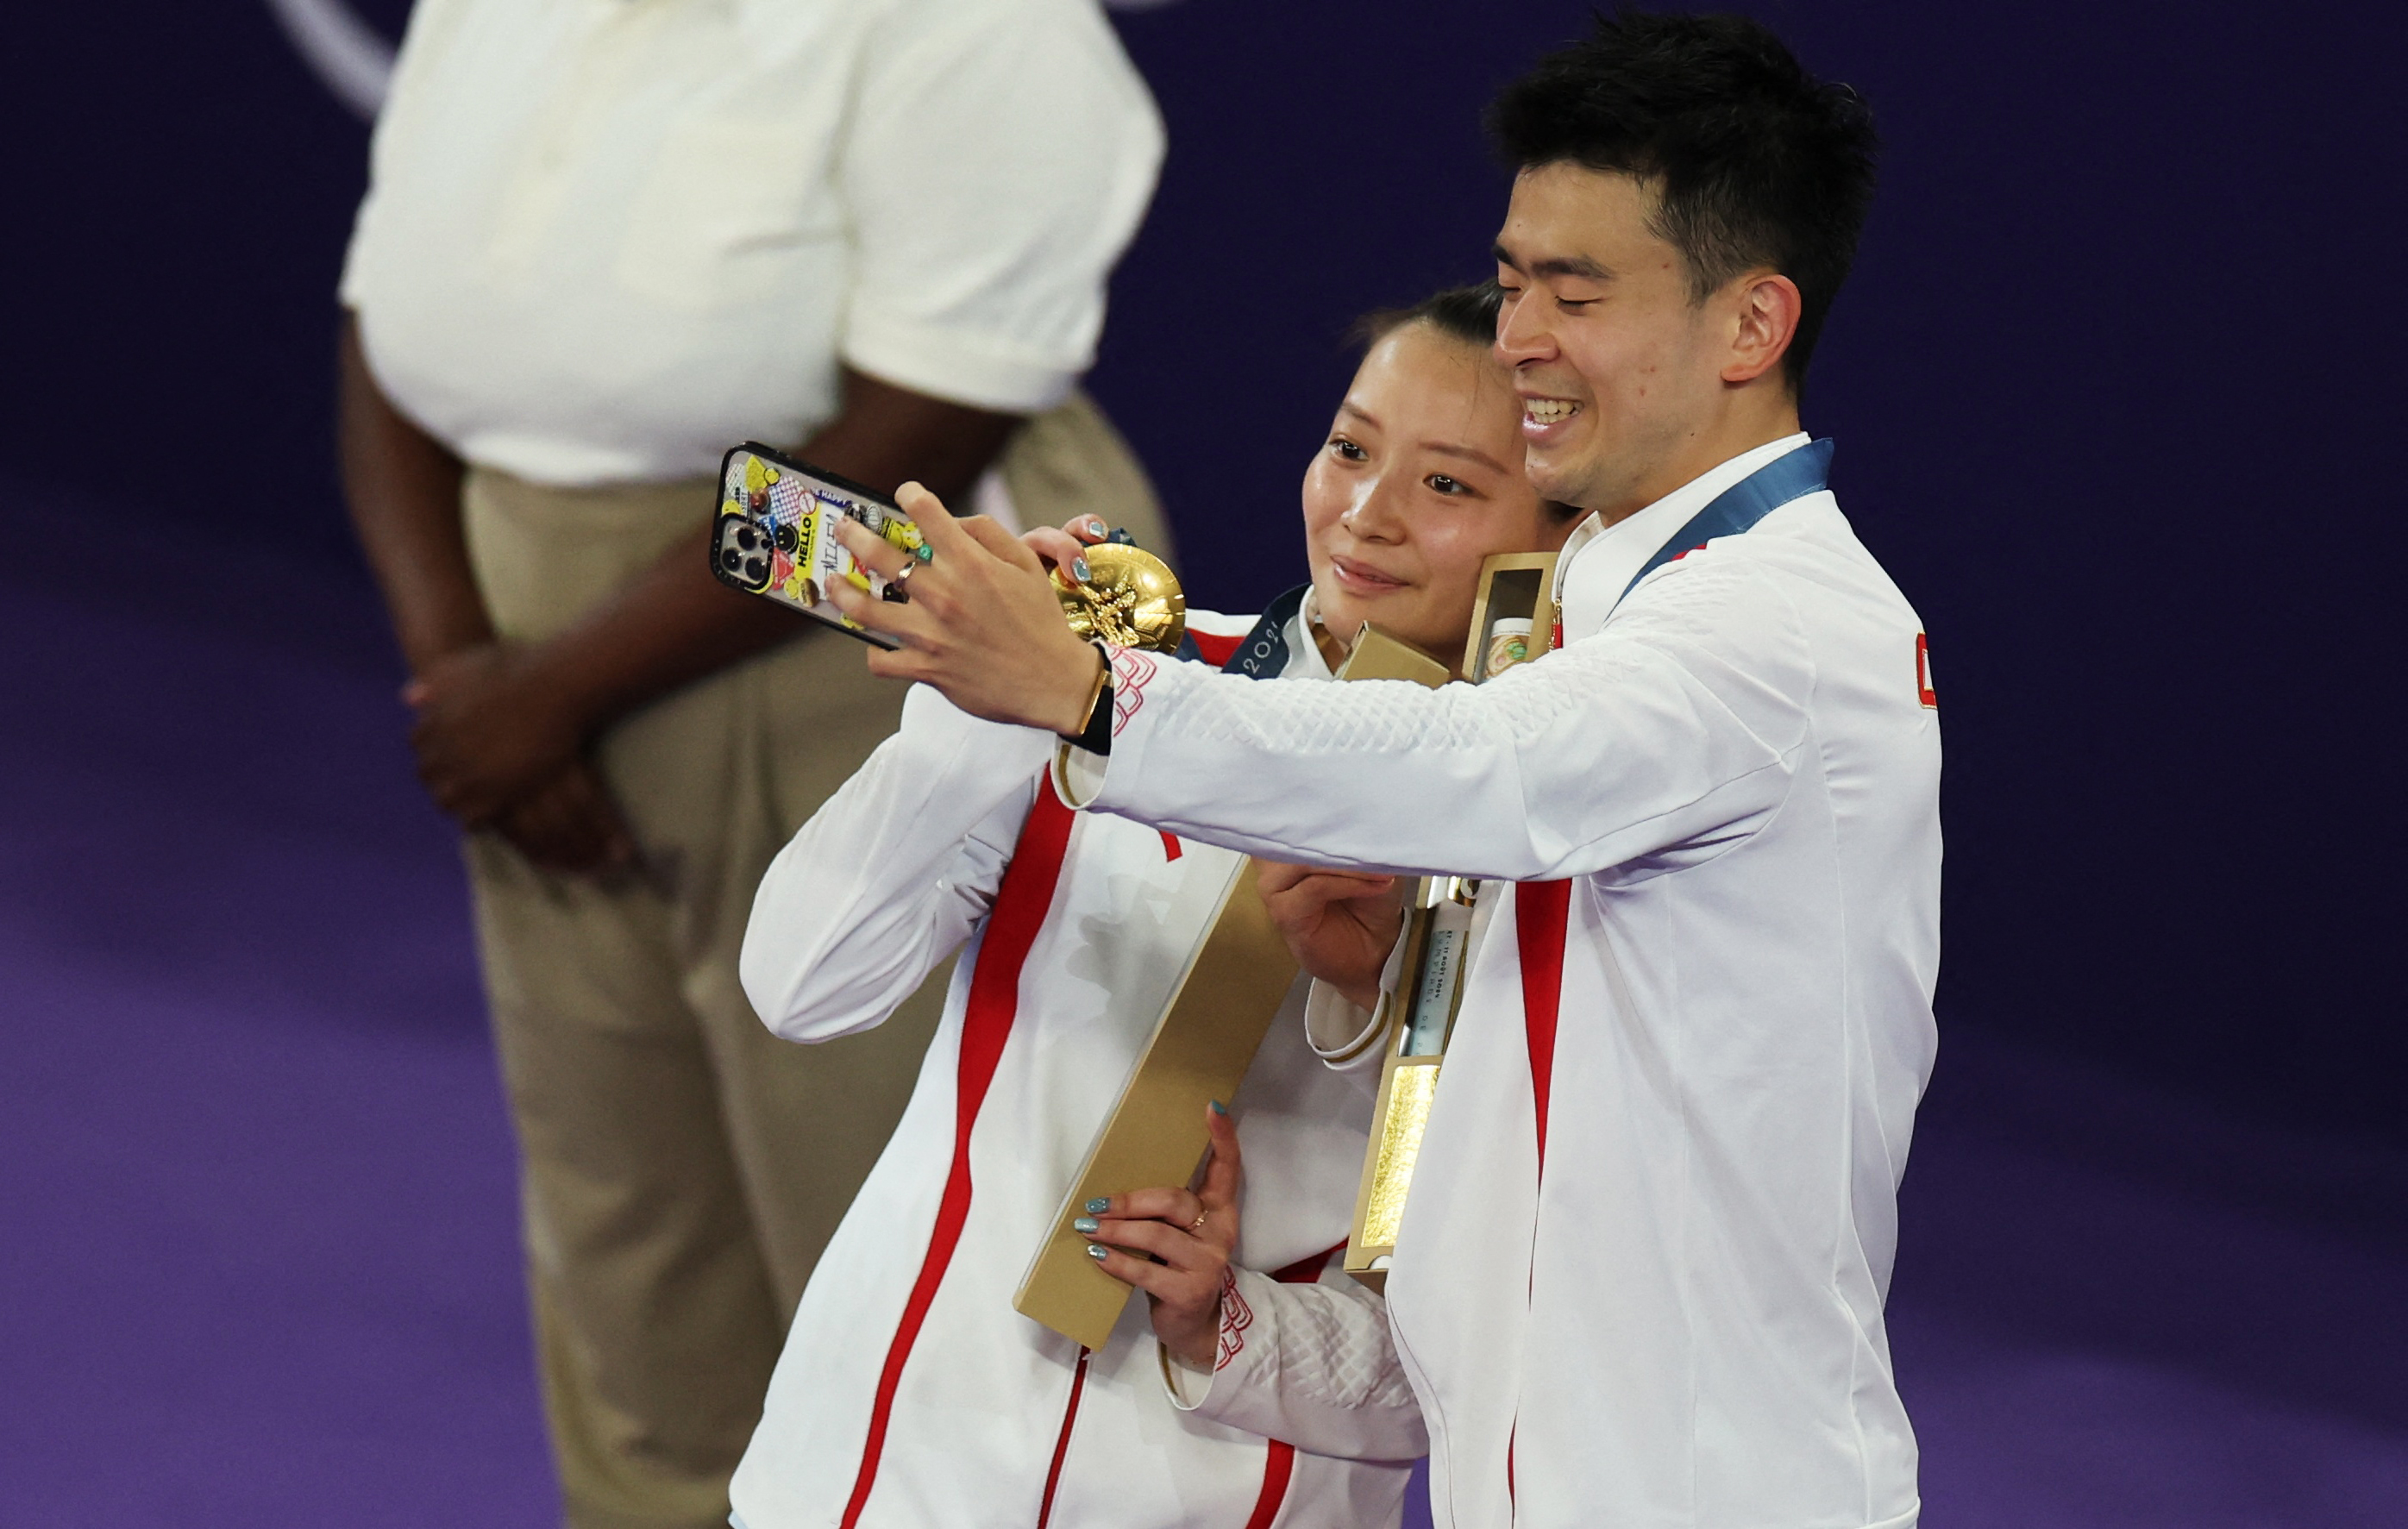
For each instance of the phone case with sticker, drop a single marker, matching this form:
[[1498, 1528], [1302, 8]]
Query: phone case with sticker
[[775, 534]]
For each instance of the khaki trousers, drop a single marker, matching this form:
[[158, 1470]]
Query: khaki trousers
[[682, 1167]]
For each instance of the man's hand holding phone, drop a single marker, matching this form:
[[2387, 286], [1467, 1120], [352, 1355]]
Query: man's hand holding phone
[[981, 626]]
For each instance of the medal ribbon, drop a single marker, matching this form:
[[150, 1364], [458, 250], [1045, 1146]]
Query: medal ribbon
[[1544, 907], [1262, 653], [1785, 478]]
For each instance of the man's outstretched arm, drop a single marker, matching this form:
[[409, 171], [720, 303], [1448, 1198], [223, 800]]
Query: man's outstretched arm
[[1678, 725]]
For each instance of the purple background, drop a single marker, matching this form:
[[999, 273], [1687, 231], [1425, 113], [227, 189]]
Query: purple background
[[2109, 386]]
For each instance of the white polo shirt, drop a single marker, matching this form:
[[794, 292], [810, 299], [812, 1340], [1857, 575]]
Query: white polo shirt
[[604, 240]]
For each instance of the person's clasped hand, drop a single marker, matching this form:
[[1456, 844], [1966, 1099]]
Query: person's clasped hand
[[497, 748], [1174, 1244], [981, 624]]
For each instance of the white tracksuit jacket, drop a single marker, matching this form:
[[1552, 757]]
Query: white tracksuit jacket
[[910, 1392], [1674, 1319]]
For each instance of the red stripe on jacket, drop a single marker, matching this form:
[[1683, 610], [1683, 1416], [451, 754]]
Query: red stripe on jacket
[[1541, 909], [1020, 904], [1216, 648], [1062, 1443], [1279, 1459]]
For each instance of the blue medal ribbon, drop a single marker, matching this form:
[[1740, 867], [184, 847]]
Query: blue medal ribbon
[[1263, 655], [1786, 478]]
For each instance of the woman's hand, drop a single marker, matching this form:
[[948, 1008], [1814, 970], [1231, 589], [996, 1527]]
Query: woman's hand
[[1063, 549], [1340, 926], [1189, 1236], [981, 624]]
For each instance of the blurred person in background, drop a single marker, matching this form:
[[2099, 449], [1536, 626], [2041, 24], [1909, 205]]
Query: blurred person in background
[[603, 242]]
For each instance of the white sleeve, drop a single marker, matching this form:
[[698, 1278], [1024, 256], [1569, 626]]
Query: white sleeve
[[891, 873], [1003, 153], [1678, 724], [1344, 1038], [1312, 1365], [428, 36]]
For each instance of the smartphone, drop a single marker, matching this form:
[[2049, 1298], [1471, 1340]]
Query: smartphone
[[775, 535]]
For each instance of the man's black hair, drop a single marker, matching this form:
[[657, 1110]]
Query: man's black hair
[[1756, 162]]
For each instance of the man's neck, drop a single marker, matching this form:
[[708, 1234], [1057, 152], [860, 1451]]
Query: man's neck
[[1738, 431]]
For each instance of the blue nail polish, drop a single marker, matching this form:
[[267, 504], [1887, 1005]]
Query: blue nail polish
[[1220, 1109], [1079, 569], [1086, 1223], [1097, 1251], [1097, 1206]]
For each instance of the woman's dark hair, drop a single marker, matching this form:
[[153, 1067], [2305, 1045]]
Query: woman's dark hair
[[1463, 313], [1755, 162]]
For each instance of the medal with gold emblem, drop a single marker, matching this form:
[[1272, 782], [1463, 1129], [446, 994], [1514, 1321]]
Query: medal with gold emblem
[[1130, 599]]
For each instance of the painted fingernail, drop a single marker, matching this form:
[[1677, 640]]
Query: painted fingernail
[[1086, 1223], [1220, 1109], [1097, 1206], [1097, 1251], [1079, 569]]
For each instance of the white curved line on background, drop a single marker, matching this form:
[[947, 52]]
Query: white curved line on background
[[342, 50]]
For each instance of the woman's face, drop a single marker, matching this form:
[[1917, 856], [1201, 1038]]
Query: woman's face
[[1420, 479]]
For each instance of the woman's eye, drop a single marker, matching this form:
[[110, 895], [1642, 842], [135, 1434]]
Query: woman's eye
[[1347, 449], [1444, 484]]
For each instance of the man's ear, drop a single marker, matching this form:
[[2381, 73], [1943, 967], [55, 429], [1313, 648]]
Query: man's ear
[[1765, 312]]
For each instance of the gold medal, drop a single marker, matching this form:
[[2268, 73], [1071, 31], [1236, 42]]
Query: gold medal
[[1130, 599]]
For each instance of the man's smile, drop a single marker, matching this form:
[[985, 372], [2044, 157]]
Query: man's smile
[[1542, 417]]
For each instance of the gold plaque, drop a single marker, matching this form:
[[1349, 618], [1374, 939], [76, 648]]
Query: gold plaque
[[1201, 1046], [1515, 587], [1199, 1050], [1130, 599], [1395, 1144]]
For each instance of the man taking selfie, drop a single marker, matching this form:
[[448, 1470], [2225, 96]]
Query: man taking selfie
[[1641, 1274]]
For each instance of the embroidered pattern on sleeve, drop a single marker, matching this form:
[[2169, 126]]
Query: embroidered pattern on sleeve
[[1235, 1317], [1132, 671], [1390, 717], [1338, 1338]]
